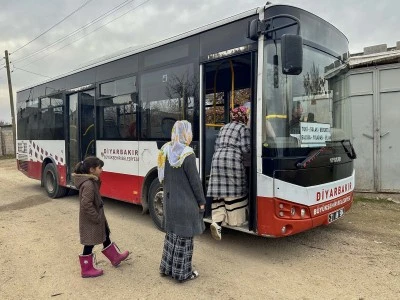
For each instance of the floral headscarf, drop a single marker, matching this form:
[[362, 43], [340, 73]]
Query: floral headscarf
[[177, 149], [239, 114]]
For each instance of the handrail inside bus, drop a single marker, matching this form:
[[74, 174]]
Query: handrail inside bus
[[214, 125], [276, 117], [215, 91], [90, 127], [232, 103], [87, 148], [232, 85]]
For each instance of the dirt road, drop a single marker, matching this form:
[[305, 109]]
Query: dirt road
[[357, 257]]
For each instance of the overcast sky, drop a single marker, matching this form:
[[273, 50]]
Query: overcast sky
[[140, 22]]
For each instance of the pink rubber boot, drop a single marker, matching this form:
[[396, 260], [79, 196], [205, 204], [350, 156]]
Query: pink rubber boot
[[88, 266], [113, 253]]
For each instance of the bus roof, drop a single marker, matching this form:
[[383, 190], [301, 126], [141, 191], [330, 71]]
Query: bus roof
[[129, 51]]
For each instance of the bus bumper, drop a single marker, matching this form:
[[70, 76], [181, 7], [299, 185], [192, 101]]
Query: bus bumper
[[271, 225]]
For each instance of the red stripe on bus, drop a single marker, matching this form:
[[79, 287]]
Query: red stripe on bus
[[35, 170], [127, 188]]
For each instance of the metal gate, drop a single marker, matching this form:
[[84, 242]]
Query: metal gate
[[375, 99]]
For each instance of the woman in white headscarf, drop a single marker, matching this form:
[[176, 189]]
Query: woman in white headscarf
[[183, 203]]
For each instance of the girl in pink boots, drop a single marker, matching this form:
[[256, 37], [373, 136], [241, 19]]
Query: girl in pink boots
[[93, 226]]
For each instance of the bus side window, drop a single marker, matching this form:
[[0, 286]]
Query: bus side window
[[166, 126], [110, 130]]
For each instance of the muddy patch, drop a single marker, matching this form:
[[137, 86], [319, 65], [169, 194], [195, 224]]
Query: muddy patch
[[25, 203]]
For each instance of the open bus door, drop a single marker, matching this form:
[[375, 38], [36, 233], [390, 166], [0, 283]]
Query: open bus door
[[228, 83], [81, 129]]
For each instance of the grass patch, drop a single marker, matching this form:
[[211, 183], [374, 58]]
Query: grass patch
[[371, 200], [7, 156], [380, 199]]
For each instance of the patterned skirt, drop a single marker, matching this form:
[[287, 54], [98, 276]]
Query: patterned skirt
[[230, 210], [177, 255]]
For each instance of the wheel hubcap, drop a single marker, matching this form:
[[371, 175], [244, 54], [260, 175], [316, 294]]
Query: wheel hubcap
[[158, 204], [50, 180]]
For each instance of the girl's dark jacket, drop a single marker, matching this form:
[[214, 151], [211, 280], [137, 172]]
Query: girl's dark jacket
[[92, 221]]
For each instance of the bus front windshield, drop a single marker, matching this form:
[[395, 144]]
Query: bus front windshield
[[303, 111]]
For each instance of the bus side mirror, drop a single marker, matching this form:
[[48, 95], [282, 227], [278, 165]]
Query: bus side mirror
[[292, 54], [253, 30]]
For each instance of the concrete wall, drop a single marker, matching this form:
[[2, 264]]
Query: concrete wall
[[6, 140]]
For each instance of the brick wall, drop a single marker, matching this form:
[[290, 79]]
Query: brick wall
[[6, 140]]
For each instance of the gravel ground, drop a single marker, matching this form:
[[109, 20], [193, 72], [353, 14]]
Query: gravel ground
[[357, 257]]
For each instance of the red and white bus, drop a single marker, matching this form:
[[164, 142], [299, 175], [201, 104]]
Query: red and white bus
[[279, 58]]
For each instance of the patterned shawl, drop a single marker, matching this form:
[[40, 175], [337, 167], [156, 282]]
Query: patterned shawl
[[177, 149], [239, 114]]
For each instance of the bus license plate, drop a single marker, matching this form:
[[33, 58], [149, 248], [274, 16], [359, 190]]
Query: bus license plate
[[335, 215]]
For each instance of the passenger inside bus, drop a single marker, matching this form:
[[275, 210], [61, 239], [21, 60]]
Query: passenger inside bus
[[310, 118], [132, 130], [297, 113]]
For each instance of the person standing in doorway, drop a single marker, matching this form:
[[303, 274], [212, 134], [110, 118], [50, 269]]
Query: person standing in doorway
[[228, 183]]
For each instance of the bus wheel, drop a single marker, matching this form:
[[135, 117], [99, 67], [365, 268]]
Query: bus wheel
[[155, 201], [50, 181]]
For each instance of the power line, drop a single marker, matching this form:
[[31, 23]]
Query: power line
[[30, 72], [134, 8], [84, 4], [99, 18]]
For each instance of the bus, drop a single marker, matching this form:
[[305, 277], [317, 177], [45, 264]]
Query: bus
[[286, 64]]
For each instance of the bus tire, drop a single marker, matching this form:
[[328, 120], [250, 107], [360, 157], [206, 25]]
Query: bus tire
[[50, 182], [155, 202]]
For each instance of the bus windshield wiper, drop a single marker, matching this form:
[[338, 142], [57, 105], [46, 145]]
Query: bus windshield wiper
[[351, 153], [311, 157]]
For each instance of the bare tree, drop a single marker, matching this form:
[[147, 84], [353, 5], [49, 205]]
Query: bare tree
[[314, 84], [2, 123], [183, 88]]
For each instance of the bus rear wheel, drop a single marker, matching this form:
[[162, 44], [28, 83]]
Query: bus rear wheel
[[50, 182], [156, 205]]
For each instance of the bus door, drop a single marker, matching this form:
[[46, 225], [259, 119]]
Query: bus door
[[81, 129], [228, 83]]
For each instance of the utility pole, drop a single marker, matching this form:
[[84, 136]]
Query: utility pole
[[11, 101]]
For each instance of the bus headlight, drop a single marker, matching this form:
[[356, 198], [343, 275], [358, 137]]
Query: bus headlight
[[292, 211]]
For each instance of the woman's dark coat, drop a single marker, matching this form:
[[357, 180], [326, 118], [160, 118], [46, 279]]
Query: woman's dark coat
[[183, 194]]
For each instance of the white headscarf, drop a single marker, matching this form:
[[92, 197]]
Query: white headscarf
[[177, 149]]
